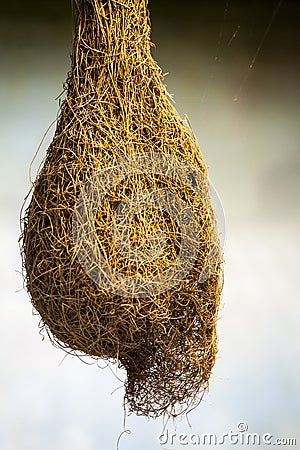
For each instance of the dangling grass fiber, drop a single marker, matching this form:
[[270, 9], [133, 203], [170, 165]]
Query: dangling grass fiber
[[116, 106]]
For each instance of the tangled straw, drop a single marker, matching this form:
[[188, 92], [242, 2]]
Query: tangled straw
[[121, 201]]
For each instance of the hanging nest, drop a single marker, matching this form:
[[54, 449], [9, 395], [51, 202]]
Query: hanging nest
[[118, 285]]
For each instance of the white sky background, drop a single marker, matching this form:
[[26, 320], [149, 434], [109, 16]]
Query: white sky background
[[252, 148]]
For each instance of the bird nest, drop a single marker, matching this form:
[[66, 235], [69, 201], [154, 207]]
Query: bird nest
[[120, 248]]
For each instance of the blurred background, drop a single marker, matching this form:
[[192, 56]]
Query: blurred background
[[234, 69]]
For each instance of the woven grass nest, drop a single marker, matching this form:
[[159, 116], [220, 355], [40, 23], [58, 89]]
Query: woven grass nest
[[121, 254]]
